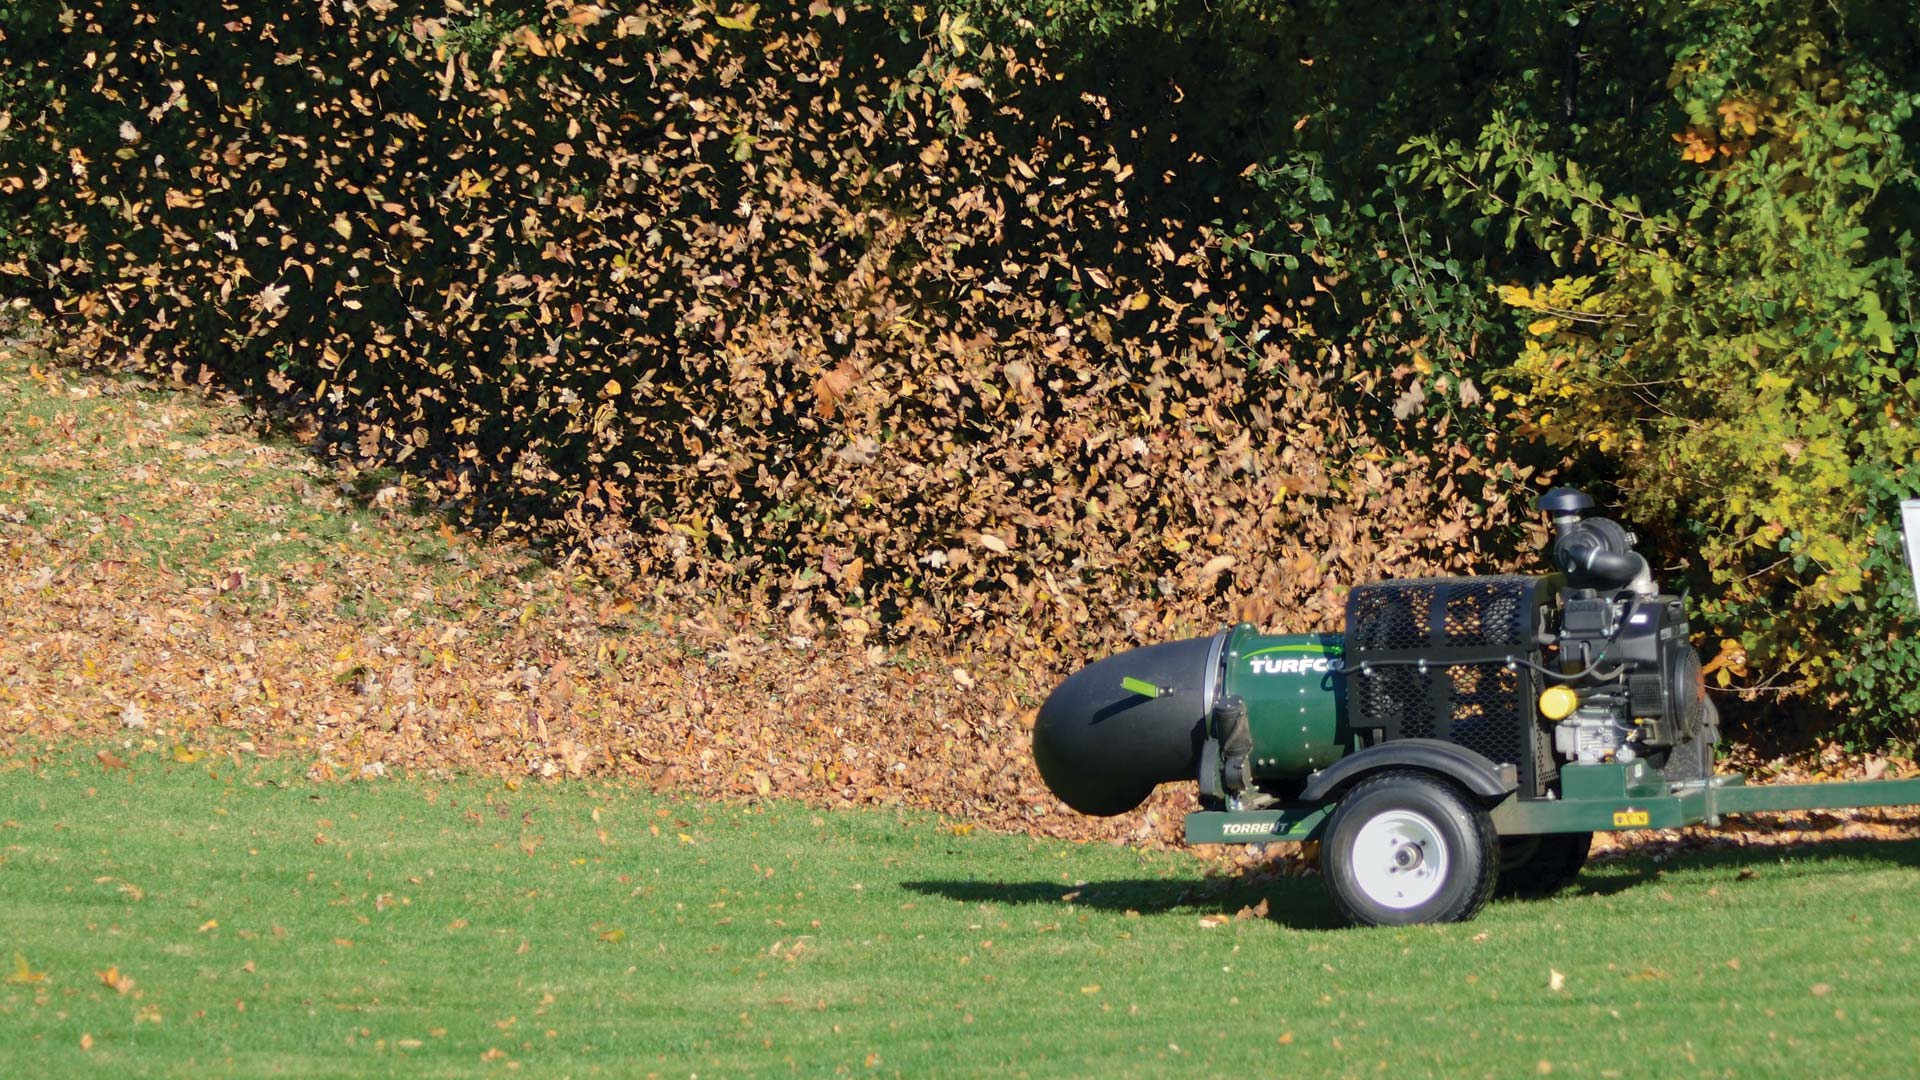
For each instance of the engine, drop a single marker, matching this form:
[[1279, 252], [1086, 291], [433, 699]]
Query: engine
[[1628, 682]]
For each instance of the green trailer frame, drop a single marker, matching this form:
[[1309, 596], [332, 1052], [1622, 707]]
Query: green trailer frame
[[1593, 798]]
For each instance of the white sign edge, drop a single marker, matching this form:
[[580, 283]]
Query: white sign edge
[[1910, 524]]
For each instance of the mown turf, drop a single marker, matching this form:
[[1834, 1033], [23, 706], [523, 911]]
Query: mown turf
[[270, 926]]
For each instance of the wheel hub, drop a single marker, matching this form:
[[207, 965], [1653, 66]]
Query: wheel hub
[[1399, 859]]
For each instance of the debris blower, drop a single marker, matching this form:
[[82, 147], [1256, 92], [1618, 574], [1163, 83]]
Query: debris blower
[[1464, 735]]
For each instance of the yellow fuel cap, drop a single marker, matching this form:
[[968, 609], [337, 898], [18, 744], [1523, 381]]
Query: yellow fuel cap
[[1558, 702]]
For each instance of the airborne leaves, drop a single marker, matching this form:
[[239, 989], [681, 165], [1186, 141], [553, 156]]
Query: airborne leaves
[[768, 303]]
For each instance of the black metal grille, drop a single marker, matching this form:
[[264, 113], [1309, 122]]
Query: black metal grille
[[1487, 611], [1397, 691], [1384, 618], [1647, 693], [1465, 629], [1483, 698]]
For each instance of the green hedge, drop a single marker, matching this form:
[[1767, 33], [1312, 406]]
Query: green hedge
[[1738, 338]]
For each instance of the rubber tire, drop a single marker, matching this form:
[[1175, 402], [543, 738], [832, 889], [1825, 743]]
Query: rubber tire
[[1536, 866], [1464, 827]]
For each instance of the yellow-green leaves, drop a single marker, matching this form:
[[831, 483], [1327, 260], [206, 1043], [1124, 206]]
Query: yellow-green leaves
[[1725, 361], [23, 973], [741, 19]]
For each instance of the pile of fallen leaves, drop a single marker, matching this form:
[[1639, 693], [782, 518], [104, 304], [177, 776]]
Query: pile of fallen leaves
[[172, 582]]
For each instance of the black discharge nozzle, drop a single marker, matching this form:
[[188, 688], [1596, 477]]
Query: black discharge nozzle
[[1103, 743]]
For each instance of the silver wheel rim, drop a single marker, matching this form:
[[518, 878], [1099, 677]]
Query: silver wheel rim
[[1399, 860]]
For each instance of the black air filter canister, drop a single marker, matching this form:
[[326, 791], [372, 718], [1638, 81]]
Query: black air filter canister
[[1102, 748]]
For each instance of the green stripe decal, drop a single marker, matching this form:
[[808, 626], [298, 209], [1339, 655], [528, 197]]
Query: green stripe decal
[[1309, 650]]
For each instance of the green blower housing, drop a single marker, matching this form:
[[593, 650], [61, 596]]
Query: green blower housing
[[1254, 706]]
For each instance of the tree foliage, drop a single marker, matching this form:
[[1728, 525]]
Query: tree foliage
[[1738, 342]]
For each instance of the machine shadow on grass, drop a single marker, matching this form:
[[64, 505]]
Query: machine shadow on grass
[[1300, 903]]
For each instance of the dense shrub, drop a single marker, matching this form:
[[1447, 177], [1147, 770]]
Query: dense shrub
[[1739, 339]]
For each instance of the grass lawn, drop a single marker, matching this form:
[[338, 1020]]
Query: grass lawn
[[217, 917]]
